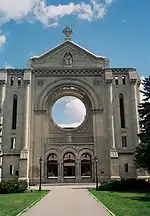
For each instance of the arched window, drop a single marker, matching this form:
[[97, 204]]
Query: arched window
[[86, 165], [122, 114], [52, 166], [116, 80], [69, 165], [123, 80], [14, 113]]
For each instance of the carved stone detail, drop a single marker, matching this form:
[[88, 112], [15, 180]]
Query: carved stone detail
[[108, 81], [97, 110], [26, 82], [133, 81], [40, 111], [2, 82], [68, 59], [96, 82], [40, 82]]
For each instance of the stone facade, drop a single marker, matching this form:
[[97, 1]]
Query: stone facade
[[68, 69]]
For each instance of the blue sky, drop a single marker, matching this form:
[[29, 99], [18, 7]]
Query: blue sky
[[117, 29]]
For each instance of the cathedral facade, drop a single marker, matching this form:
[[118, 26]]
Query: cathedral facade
[[106, 139]]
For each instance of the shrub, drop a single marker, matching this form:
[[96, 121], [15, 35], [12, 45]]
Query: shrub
[[125, 185], [13, 186]]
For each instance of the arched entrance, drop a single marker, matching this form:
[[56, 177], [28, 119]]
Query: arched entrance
[[69, 165], [52, 166], [86, 165]]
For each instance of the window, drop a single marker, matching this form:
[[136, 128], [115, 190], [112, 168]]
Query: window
[[69, 164], [123, 80], [19, 81], [14, 114], [13, 142], [11, 169], [122, 115], [52, 166], [116, 80], [12, 81], [0, 160], [17, 173], [126, 167], [0, 131], [124, 141], [86, 165]]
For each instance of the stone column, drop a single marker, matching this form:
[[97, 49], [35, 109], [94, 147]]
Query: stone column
[[24, 156], [78, 172], [59, 171], [2, 98], [112, 131]]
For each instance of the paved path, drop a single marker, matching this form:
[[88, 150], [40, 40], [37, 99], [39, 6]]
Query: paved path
[[67, 201]]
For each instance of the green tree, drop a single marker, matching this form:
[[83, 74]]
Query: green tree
[[142, 152]]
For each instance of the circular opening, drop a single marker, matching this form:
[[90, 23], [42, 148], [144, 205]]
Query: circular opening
[[68, 112]]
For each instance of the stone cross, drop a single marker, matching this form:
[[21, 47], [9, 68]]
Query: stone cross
[[67, 32]]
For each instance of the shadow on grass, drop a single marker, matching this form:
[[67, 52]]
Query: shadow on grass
[[145, 198], [81, 188]]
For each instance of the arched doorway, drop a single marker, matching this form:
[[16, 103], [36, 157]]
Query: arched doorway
[[52, 166], [86, 165], [69, 165]]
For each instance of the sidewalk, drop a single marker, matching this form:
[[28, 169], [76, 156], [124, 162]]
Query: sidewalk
[[67, 201]]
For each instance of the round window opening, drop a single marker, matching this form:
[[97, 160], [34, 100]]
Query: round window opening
[[68, 112]]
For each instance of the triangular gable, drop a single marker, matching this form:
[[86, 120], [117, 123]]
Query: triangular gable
[[81, 56]]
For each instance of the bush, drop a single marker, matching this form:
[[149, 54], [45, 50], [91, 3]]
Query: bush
[[138, 185], [13, 186]]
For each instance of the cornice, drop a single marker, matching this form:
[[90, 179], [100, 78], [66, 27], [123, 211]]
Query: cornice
[[69, 72]]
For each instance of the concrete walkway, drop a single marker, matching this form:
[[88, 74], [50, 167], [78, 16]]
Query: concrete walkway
[[67, 201]]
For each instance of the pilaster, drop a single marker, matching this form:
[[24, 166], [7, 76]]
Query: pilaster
[[99, 141], [134, 107], [114, 161]]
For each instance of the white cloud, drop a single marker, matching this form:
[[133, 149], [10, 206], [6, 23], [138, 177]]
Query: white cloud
[[2, 39], [74, 110], [49, 15], [73, 125], [7, 66]]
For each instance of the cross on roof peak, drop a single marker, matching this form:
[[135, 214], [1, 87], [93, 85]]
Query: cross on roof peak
[[67, 32]]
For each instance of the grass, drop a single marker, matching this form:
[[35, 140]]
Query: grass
[[124, 204], [12, 204]]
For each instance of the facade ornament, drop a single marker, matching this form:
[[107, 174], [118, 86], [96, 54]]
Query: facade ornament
[[108, 81], [133, 81], [97, 110], [96, 82], [68, 60], [40, 82], [2, 82], [26, 82], [40, 111]]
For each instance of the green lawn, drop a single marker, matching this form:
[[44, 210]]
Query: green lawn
[[12, 204], [124, 204]]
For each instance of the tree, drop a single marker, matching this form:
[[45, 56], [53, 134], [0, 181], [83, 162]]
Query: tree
[[142, 151]]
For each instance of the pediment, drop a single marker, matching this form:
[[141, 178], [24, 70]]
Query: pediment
[[68, 54]]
